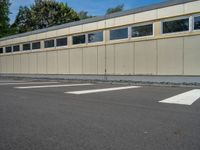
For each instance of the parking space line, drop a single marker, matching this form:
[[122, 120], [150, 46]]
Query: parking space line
[[21, 83], [187, 98], [101, 90], [52, 86]]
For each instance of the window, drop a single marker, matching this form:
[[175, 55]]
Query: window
[[36, 45], [95, 37], [197, 23], [26, 47], [61, 42], [80, 39], [16, 48], [49, 43], [119, 34], [1, 50], [144, 30], [176, 26], [8, 49]]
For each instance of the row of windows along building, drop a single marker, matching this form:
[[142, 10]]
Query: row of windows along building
[[185, 24]]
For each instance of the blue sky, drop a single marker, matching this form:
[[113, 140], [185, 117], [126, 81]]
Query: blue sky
[[94, 7]]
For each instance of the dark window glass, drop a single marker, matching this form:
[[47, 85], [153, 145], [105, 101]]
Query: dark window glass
[[197, 23], [144, 30], [95, 37], [176, 26], [80, 39], [8, 49], [16, 48], [26, 47], [36, 45], [1, 50], [49, 43], [119, 34], [61, 42]]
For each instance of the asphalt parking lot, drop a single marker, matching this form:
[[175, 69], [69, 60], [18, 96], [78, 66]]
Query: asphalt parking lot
[[51, 115]]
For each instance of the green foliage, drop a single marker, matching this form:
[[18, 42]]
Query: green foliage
[[4, 17], [84, 15], [23, 20], [115, 9], [43, 14]]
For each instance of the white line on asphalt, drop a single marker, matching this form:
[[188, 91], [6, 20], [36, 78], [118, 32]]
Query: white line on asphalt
[[21, 83], [187, 98], [102, 90], [52, 86]]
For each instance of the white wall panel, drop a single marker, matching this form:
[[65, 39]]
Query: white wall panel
[[192, 7], [63, 62], [124, 59], [170, 56], [76, 62], [171, 11], [110, 59], [146, 16], [9, 64], [90, 65], [101, 59], [52, 62], [145, 57], [192, 55], [33, 63], [17, 63], [24, 63], [3, 64], [42, 62]]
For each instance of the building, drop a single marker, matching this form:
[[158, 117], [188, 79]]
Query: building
[[157, 42]]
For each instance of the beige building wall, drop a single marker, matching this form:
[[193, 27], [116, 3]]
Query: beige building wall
[[124, 59], [146, 57], [17, 64], [90, 60], [76, 61], [173, 54], [170, 56], [33, 61], [63, 62], [192, 55]]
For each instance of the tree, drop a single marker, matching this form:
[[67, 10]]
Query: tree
[[23, 20], [115, 9], [43, 14], [84, 15], [4, 17]]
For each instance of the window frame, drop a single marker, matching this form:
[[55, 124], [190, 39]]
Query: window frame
[[10, 51], [49, 40], [123, 27], [2, 51], [174, 19], [14, 46], [143, 24], [28, 49], [193, 17], [61, 37], [98, 31], [36, 42], [86, 39]]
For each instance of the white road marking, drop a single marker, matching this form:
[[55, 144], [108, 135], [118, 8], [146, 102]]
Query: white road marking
[[21, 83], [101, 90], [187, 98], [52, 86]]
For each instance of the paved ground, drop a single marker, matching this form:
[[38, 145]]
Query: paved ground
[[130, 119]]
